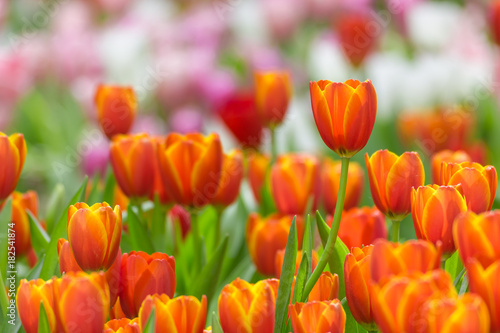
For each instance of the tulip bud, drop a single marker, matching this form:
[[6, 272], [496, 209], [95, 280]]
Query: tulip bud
[[318, 317], [257, 167], [361, 226], [12, 153], [446, 156], [273, 91], [123, 325], [30, 295], [21, 204], [326, 288]]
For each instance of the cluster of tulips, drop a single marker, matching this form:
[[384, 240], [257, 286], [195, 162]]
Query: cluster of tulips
[[416, 286]]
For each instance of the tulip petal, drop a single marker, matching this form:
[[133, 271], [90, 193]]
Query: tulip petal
[[322, 115], [206, 173]]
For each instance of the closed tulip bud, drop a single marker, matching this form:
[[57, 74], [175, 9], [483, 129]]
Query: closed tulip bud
[[133, 161], [142, 275], [266, 236], [94, 234], [12, 153], [30, 295], [326, 288], [295, 182], [330, 183], [257, 168], [392, 178], [273, 91], [230, 180], [318, 317], [361, 226], [434, 209], [479, 184], [494, 20], [191, 166], [123, 325], [116, 109], [446, 156], [344, 114], [248, 308], [172, 314], [21, 204], [280, 256], [181, 218]]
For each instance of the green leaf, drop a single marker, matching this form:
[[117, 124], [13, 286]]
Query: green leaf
[[5, 219], [351, 326], [301, 279], [453, 265], [216, 327], [43, 321], [267, 205], [307, 244], [323, 228], [151, 323], [465, 285], [94, 195], [139, 237], [35, 271], [286, 279], [4, 301], [54, 207], [108, 194], [159, 225], [458, 279], [39, 237]]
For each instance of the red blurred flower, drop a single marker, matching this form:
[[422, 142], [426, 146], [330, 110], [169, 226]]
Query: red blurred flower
[[494, 20], [180, 218]]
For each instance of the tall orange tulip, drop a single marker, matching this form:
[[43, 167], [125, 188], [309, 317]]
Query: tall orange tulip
[[280, 256], [391, 179], [494, 20], [191, 167], [446, 156], [116, 109], [183, 314], [361, 226], [248, 308], [434, 209], [344, 114], [123, 325], [142, 275], [318, 317], [30, 295], [295, 182], [479, 184], [257, 167], [230, 180], [21, 204], [12, 153], [273, 91], [326, 288]]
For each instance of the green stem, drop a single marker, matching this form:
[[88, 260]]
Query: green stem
[[274, 147], [220, 210], [196, 241], [4, 301], [332, 237], [395, 231]]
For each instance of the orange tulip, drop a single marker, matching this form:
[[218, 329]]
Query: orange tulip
[[391, 180], [326, 288], [158, 188], [123, 325], [116, 311], [479, 184], [248, 308], [94, 234], [142, 275], [330, 181], [133, 160], [12, 153], [266, 236], [280, 256], [116, 109], [446, 156], [257, 168], [191, 167], [434, 209], [318, 317], [294, 182], [361, 226], [230, 180], [273, 91], [183, 314], [21, 204], [344, 114], [494, 20], [29, 297]]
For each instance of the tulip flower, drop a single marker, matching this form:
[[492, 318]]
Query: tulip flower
[[434, 209], [116, 109], [361, 226], [230, 179], [318, 317], [29, 297], [123, 325], [494, 20], [133, 161], [116, 311], [330, 183], [479, 184], [273, 91], [344, 114], [266, 236], [280, 256], [142, 275], [94, 234], [159, 189], [446, 156], [181, 218], [183, 314], [21, 204], [295, 183], [12, 153], [248, 308], [191, 166], [326, 288], [257, 167]]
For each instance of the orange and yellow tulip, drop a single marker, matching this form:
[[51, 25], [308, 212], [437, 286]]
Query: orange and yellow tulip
[[273, 91], [123, 325], [494, 20], [280, 256], [230, 179], [142, 275], [446, 156], [257, 168], [30, 295], [21, 204], [434, 209], [191, 167], [133, 160], [318, 317], [479, 184], [294, 182], [12, 153], [248, 308], [392, 178], [116, 109], [361, 226], [94, 234], [326, 288], [183, 314], [344, 114]]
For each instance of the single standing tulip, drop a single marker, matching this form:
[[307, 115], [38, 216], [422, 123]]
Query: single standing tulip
[[479, 184], [280, 256], [318, 317], [183, 314], [94, 234], [12, 154], [29, 297], [295, 182], [230, 179], [257, 168], [133, 161], [142, 275], [21, 204], [116, 109], [326, 289], [361, 226], [446, 156], [494, 20], [123, 325], [248, 308], [344, 114], [273, 91], [191, 166], [434, 209]]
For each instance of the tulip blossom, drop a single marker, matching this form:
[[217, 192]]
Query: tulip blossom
[[494, 20], [257, 167], [326, 288], [123, 325], [318, 317], [230, 179], [273, 91], [21, 204], [361, 226], [446, 156], [181, 218], [344, 114], [30, 295], [12, 154], [280, 256]]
